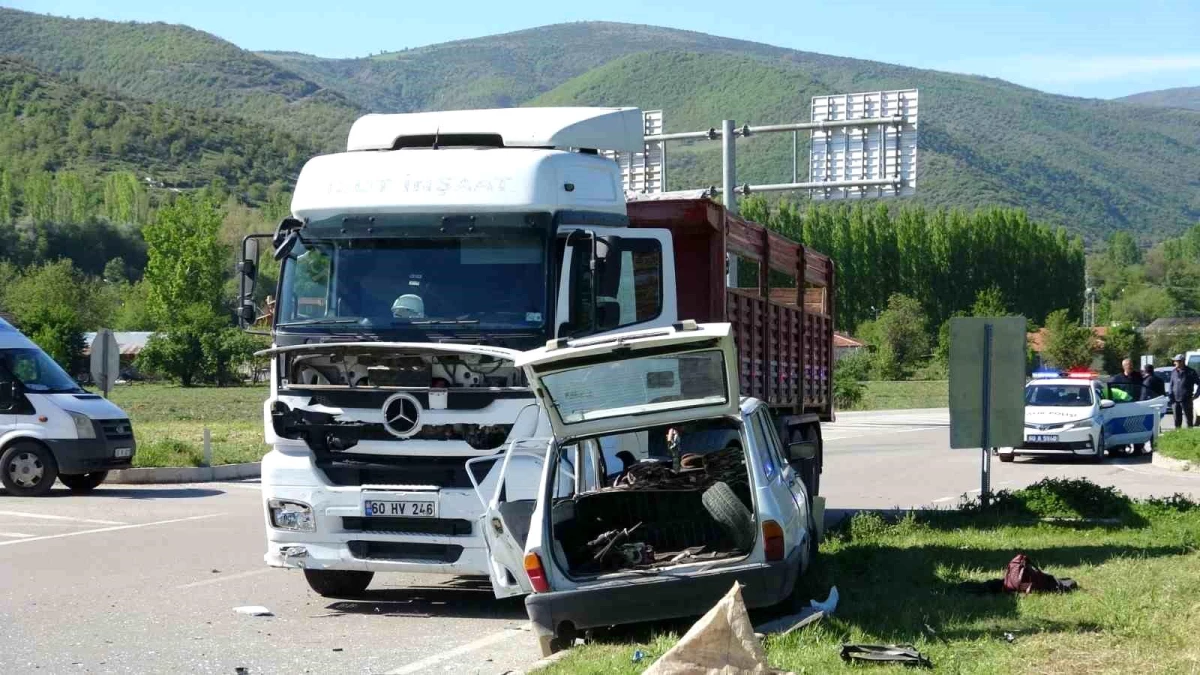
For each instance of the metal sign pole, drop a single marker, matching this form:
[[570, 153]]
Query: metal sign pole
[[985, 477], [104, 366], [728, 192]]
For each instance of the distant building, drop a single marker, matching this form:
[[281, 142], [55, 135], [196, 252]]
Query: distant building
[[129, 343], [844, 345], [1173, 326]]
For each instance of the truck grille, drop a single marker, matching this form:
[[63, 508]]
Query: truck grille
[[404, 551], [448, 527], [116, 430], [443, 472]]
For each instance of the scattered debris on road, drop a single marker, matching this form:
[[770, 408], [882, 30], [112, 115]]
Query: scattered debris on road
[[905, 654], [253, 610], [720, 641]]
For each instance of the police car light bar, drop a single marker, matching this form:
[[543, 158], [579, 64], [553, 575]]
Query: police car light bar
[[1046, 374], [1082, 374]]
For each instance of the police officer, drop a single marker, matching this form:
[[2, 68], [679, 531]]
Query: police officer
[[1184, 383]]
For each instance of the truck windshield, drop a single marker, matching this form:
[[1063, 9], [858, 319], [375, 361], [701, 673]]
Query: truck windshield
[[37, 372], [494, 282]]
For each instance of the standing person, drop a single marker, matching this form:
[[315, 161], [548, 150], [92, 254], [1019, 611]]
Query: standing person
[[1184, 383], [1128, 381], [1152, 387]]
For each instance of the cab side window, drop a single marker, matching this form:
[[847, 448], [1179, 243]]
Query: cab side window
[[628, 288]]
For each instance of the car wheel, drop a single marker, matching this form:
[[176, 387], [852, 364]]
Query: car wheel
[[1006, 456], [84, 482], [338, 583], [1098, 456], [27, 469], [729, 511]]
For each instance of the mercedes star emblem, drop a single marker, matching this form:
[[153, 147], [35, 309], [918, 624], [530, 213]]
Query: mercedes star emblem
[[402, 415]]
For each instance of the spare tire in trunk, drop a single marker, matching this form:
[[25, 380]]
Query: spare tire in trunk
[[725, 507]]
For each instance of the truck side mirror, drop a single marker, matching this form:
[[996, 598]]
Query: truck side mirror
[[286, 236], [247, 269], [802, 450]]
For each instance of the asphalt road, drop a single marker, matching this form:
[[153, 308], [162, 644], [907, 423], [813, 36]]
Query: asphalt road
[[146, 579]]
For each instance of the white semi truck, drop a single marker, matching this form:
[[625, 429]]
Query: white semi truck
[[419, 263]]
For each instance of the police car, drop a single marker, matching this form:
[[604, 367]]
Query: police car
[[1069, 414]]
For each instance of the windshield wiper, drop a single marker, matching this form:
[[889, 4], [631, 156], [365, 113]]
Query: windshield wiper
[[315, 322], [427, 322]]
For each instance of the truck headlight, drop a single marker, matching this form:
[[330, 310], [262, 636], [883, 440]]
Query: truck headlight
[[293, 516], [84, 428]]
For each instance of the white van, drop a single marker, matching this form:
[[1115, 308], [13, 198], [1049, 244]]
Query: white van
[[50, 427]]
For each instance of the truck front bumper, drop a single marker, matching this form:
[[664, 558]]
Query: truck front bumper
[[345, 539]]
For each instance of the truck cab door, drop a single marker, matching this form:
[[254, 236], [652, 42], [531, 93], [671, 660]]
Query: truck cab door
[[508, 510], [631, 286]]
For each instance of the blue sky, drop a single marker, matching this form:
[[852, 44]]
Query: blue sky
[[1101, 48]]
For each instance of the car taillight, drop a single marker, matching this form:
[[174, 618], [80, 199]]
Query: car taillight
[[772, 540], [537, 575]]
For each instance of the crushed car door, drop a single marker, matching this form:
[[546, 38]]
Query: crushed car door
[[639, 379], [508, 509]]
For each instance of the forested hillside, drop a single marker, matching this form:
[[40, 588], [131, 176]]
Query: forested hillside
[[1179, 97], [177, 65], [1091, 166], [50, 128]]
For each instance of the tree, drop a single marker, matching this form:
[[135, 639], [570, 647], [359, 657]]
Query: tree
[[186, 262], [1068, 344], [900, 337], [1122, 250], [59, 332], [114, 271], [990, 302], [56, 284], [1122, 342]]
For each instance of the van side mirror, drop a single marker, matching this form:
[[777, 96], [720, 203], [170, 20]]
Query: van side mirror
[[802, 450], [1107, 403]]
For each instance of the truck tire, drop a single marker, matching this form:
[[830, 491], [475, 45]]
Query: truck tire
[[729, 511], [27, 469], [83, 483], [338, 583], [1006, 456]]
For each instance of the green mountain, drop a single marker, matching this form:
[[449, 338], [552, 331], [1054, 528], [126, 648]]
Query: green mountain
[[1092, 166], [177, 65], [53, 124], [1179, 97]]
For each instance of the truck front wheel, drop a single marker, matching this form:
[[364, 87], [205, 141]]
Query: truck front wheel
[[338, 583]]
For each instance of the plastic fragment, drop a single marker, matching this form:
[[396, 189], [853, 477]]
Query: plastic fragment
[[253, 610]]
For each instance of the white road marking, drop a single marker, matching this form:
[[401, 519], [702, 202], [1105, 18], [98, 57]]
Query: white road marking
[[487, 640], [109, 529], [16, 535], [43, 516], [876, 432], [227, 577]]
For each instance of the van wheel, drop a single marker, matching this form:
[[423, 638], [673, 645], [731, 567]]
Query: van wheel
[[338, 583], [725, 507], [27, 469], [83, 483]]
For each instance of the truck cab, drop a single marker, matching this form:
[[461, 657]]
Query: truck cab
[[414, 267]]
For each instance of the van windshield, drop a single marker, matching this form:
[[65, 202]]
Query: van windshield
[[37, 372]]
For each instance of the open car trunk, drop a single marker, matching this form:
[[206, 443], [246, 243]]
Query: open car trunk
[[644, 502]]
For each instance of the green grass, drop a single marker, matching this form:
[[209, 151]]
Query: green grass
[[904, 394], [169, 421], [1183, 444], [1135, 612]]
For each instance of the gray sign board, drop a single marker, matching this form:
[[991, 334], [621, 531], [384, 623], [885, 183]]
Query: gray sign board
[[106, 360], [987, 382]]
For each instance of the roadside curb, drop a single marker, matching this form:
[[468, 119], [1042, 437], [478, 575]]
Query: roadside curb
[[1170, 463], [185, 474], [542, 664]]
